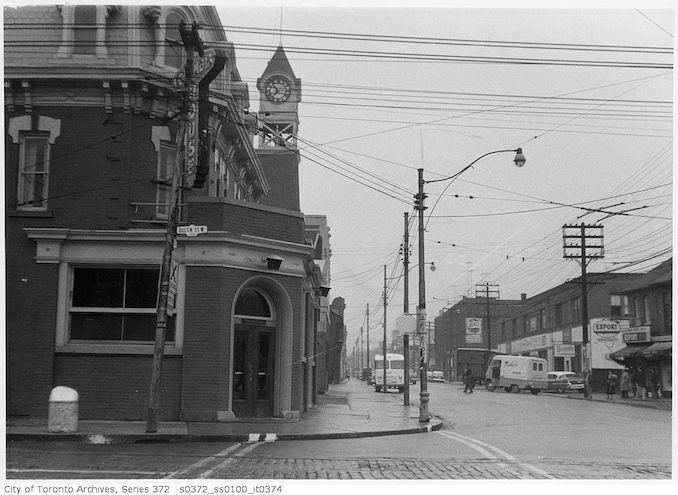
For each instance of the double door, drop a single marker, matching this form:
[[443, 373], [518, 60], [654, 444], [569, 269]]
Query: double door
[[254, 349]]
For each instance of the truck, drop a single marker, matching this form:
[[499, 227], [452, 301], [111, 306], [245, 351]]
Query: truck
[[478, 359], [395, 372], [516, 373]]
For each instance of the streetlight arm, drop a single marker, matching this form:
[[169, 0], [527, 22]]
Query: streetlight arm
[[519, 159]]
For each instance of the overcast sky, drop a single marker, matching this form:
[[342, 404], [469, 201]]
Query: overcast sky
[[586, 93]]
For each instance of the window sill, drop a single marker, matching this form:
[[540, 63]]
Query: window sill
[[94, 348], [31, 213]]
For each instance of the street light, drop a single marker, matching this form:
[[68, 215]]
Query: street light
[[519, 160]]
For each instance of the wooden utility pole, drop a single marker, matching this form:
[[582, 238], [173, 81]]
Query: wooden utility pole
[[488, 290], [583, 243], [385, 304], [406, 309], [191, 41]]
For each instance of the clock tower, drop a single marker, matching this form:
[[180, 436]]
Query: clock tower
[[279, 97]]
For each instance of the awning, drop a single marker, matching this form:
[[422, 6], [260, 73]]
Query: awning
[[656, 348], [630, 351]]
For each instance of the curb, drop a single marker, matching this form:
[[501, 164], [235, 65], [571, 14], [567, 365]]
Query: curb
[[103, 439], [647, 404]]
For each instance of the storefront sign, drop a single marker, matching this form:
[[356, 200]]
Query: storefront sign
[[636, 335], [563, 350], [474, 330]]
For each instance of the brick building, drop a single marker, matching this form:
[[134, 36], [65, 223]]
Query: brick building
[[91, 121]]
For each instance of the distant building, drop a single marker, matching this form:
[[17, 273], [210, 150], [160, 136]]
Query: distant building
[[549, 325], [464, 325]]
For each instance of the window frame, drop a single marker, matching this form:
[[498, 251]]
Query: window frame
[[24, 203], [164, 183], [70, 309]]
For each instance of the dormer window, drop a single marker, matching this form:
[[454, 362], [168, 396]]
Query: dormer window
[[174, 50], [84, 31]]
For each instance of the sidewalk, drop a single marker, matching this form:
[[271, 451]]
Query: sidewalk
[[663, 404], [348, 410]]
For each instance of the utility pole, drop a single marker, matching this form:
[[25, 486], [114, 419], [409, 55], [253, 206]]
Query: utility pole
[[369, 362], [385, 304], [488, 290], [191, 41], [406, 309], [583, 243], [424, 416], [361, 351]]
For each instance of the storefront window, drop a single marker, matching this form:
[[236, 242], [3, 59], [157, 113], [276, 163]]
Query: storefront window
[[115, 304]]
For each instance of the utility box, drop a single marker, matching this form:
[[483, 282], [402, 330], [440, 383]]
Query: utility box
[[63, 410]]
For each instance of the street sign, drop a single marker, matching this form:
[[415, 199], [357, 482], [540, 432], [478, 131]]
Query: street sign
[[192, 230]]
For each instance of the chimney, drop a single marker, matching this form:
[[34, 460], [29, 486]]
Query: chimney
[[523, 297]]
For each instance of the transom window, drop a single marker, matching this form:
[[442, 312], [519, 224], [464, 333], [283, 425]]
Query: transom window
[[115, 304], [33, 172], [252, 304]]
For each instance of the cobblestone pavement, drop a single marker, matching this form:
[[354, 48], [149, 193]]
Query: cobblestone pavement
[[300, 468]]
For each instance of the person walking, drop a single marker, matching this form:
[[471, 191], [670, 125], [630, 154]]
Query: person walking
[[640, 378], [588, 392], [468, 380], [625, 383], [611, 384], [653, 383]]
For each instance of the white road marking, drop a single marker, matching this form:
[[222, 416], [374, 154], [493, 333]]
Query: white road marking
[[476, 444], [478, 449], [249, 448], [204, 461]]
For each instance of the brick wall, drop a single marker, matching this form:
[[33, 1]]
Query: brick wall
[[116, 387], [238, 217], [282, 172]]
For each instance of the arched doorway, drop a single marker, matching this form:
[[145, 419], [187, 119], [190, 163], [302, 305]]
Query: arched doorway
[[253, 355]]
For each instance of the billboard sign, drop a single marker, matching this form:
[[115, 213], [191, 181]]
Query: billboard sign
[[474, 330]]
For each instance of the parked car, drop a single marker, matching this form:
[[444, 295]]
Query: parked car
[[437, 376], [414, 376], [564, 381]]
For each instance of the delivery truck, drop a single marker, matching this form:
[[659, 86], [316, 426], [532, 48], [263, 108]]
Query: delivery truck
[[516, 373]]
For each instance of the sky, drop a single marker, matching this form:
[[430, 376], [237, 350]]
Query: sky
[[586, 93]]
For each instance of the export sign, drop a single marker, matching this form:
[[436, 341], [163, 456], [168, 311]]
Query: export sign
[[635, 335], [607, 328]]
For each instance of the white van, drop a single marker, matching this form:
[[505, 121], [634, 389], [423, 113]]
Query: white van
[[395, 372], [516, 373]]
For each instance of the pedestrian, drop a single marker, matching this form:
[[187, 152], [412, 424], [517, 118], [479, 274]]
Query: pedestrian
[[625, 383], [634, 382], [588, 393], [653, 383], [640, 379], [468, 380], [611, 384]]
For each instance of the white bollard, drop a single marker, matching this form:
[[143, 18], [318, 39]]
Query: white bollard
[[63, 410]]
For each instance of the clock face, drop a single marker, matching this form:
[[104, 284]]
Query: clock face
[[278, 89]]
